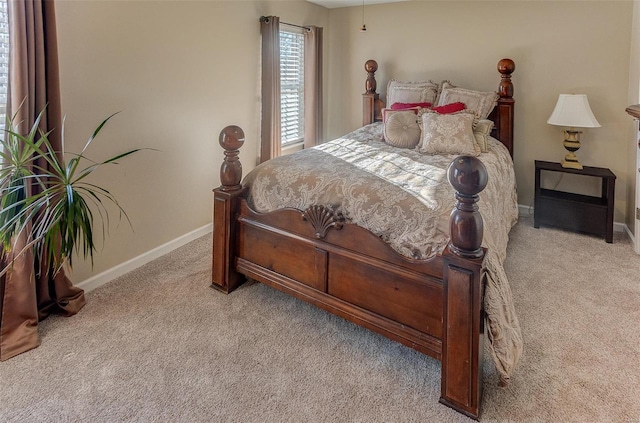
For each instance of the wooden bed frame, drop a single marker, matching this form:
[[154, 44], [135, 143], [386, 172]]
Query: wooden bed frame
[[433, 306]]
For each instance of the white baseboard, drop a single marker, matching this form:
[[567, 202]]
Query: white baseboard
[[524, 211], [617, 226], [631, 236], [620, 227], [129, 265]]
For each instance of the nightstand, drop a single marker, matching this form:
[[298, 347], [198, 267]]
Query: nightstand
[[576, 212]]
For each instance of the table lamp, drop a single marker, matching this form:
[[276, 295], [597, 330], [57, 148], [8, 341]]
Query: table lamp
[[572, 111]]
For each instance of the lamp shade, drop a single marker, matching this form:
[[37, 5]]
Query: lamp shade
[[573, 110]]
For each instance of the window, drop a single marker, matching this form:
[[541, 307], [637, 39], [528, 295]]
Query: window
[[4, 63], [292, 86]]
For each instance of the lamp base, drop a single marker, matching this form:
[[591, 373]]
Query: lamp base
[[571, 144], [571, 164]]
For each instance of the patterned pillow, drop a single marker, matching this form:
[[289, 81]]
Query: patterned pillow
[[481, 103], [481, 132], [401, 129], [448, 134], [411, 92]]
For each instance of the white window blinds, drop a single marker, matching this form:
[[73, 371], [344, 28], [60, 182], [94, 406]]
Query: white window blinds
[[4, 61], [292, 86]]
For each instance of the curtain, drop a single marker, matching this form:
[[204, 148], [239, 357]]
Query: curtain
[[270, 143], [312, 87], [28, 292]]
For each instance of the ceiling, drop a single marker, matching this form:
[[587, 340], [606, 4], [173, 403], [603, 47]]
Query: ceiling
[[346, 3]]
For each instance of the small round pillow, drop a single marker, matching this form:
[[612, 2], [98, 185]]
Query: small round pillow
[[402, 130]]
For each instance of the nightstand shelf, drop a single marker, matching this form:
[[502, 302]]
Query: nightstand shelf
[[575, 212]]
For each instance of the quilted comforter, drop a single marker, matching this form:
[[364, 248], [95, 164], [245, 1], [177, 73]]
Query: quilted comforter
[[403, 197]]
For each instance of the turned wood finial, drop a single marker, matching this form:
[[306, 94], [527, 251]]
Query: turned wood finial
[[468, 176], [231, 139], [506, 67], [371, 66]]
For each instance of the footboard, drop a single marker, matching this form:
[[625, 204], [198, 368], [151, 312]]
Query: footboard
[[433, 306]]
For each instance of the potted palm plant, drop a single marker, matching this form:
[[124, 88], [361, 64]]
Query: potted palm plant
[[45, 195]]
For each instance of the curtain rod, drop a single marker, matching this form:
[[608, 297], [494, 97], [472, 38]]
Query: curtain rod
[[266, 20]]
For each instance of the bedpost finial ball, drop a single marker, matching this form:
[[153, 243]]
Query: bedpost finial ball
[[467, 175], [506, 66], [231, 137], [371, 65]]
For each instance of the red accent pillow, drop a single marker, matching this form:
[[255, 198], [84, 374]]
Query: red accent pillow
[[449, 108], [403, 106]]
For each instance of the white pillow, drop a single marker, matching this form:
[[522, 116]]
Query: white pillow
[[479, 102], [411, 92]]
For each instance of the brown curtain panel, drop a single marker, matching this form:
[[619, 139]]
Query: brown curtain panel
[[28, 293], [270, 133], [313, 87]]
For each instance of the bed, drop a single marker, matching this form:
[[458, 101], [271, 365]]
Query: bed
[[358, 242]]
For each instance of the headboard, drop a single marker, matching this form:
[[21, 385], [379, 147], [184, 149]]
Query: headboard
[[502, 115]]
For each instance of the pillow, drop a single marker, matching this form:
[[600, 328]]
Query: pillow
[[401, 128], [403, 106], [481, 103], [440, 90], [481, 132], [411, 92], [449, 108], [448, 134], [387, 112]]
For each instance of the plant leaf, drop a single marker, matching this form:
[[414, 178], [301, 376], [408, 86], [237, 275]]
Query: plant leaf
[[48, 199]]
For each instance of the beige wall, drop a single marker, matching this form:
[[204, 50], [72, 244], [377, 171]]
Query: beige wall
[[634, 98], [179, 71], [558, 47]]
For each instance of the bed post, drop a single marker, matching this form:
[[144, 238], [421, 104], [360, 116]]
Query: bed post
[[225, 206], [371, 103], [504, 109], [462, 347]]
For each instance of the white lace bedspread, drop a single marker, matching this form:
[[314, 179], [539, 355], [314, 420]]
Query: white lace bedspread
[[404, 197]]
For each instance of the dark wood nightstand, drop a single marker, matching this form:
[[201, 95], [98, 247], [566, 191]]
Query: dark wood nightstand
[[576, 212]]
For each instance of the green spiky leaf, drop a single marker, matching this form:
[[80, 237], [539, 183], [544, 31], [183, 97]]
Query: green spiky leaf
[[51, 202]]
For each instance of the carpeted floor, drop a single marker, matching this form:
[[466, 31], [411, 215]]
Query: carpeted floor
[[159, 345]]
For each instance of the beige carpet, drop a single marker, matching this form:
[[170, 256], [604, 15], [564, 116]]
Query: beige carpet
[[159, 345]]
